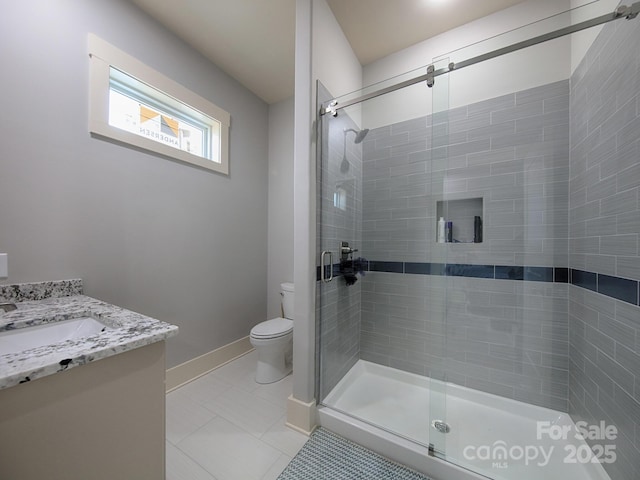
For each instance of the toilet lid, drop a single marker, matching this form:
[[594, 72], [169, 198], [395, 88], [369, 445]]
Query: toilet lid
[[276, 327]]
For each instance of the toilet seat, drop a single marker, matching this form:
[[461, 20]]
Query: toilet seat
[[274, 328]]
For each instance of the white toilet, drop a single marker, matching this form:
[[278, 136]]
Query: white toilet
[[273, 340]]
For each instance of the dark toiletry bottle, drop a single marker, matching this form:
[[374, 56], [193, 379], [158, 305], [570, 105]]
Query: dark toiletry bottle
[[448, 232], [477, 229]]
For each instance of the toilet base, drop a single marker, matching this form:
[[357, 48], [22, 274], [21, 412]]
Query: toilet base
[[267, 372], [274, 358]]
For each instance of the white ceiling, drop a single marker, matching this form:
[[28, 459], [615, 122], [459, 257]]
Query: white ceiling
[[377, 28], [253, 40]]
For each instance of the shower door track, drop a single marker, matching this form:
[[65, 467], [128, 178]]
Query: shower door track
[[622, 11]]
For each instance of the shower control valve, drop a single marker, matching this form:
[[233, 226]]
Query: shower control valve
[[346, 250]]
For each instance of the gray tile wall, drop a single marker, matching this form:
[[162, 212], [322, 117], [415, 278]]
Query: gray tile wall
[[503, 337], [604, 215], [604, 368], [513, 151], [338, 305]]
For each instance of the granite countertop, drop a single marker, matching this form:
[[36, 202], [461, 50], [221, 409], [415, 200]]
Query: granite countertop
[[48, 302]]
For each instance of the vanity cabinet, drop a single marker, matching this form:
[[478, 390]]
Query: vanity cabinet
[[103, 420]]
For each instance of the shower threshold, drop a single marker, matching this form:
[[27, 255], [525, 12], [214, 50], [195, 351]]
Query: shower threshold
[[486, 433]]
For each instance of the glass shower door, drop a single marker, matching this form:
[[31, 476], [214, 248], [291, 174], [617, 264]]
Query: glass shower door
[[381, 339], [437, 258], [339, 227]]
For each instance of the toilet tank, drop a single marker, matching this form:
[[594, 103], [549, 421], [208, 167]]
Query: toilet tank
[[286, 289]]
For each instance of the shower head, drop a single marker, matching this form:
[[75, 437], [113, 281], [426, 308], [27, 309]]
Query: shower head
[[359, 134], [344, 166]]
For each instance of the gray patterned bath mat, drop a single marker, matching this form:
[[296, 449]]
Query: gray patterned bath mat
[[327, 456]]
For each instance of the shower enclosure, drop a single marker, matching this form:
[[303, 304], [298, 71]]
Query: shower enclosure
[[471, 350]]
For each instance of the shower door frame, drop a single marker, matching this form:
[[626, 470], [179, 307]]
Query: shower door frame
[[436, 410], [431, 457]]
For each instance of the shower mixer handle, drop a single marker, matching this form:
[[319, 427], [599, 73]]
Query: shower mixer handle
[[346, 250]]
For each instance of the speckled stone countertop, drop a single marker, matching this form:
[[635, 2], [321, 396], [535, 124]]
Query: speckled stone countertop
[[46, 302]]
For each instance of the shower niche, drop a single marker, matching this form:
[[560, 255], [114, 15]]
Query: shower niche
[[463, 220]]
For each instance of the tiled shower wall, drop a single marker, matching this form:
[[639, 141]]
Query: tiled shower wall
[[512, 151], [604, 218], [507, 337], [338, 305]]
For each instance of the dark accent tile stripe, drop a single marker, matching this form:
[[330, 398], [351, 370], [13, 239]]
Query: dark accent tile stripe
[[475, 271], [336, 271], [620, 288], [532, 274], [615, 287], [438, 269], [588, 280], [417, 268], [509, 272], [425, 268], [389, 267], [561, 275], [538, 274]]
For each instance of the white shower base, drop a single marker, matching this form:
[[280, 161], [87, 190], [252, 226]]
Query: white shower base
[[404, 404]]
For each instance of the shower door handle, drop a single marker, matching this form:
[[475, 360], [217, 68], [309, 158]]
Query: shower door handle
[[323, 267]]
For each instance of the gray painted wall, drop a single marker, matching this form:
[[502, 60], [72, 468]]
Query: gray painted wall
[[504, 337], [280, 256], [604, 215], [169, 240]]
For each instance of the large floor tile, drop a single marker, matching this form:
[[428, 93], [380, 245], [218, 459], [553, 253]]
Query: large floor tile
[[181, 467], [284, 438], [228, 453], [225, 426], [184, 416], [205, 388], [241, 372], [250, 412]]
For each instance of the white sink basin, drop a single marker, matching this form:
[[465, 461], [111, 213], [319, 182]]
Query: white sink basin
[[13, 341]]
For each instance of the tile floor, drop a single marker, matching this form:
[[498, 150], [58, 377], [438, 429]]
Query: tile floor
[[225, 426]]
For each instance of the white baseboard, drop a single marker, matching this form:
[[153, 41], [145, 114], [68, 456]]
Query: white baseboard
[[196, 367], [301, 416]]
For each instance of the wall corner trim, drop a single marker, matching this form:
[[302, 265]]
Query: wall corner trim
[[301, 416], [196, 367]]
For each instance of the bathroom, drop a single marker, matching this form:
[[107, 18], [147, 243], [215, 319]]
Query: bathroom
[[146, 234]]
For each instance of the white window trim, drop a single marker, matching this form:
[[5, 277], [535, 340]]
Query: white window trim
[[103, 56]]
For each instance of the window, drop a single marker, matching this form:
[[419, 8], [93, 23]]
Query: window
[[133, 104]]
